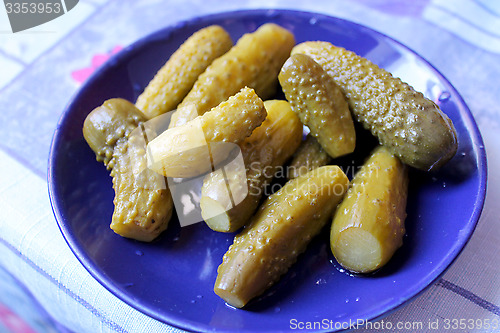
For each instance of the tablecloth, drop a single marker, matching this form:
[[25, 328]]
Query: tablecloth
[[44, 288]]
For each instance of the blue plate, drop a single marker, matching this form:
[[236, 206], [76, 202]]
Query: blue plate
[[172, 278]]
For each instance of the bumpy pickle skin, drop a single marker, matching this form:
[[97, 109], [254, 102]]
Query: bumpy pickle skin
[[266, 150], [410, 125], [201, 144], [368, 226], [143, 204], [319, 103], [176, 78], [278, 233], [309, 156], [115, 119], [254, 61]]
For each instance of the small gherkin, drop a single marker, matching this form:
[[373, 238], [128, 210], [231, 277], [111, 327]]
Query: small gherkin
[[310, 155], [319, 103], [254, 61], [143, 203], [114, 120], [199, 145], [176, 78], [280, 230], [368, 226], [264, 152], [408, 124]]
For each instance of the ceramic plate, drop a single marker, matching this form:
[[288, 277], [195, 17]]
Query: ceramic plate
[[172, 278]]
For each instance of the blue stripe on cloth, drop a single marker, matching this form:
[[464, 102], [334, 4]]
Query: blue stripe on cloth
[[467, 21], [22, 160], [469, 295], [13, 58], [111, 324], [491, 7], [18, 299]]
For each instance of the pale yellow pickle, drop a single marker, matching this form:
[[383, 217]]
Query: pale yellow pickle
[[201, 144], [368, 226], [264, 153]]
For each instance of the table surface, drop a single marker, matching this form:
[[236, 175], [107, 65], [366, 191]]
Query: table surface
[[44, 288]]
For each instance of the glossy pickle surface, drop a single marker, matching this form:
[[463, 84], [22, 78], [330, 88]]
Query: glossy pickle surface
[[368, 226], [319, 103], [279, 231]]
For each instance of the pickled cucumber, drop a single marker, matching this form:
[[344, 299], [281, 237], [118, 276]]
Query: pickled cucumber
[[254, 61], [278, 233], [310, 155], [201, 144], [115, 119], [174, 80], [268, 147], [408, 124], [142, 203], [368, 226], [319, 103]]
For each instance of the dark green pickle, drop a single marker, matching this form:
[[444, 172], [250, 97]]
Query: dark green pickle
[[411, 126], [279, 231], [309, 156], [319, 103]]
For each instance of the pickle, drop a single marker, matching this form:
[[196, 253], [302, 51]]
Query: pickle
[[368, 226], [174, 80], [201, 144], [411, 126], [142, 203], [319, 103], [254, 61], [310, 155], [115, 119], [278, 233], [268, 147]]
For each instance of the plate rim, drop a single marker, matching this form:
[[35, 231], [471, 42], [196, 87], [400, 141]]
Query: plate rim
[[175, 321]]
